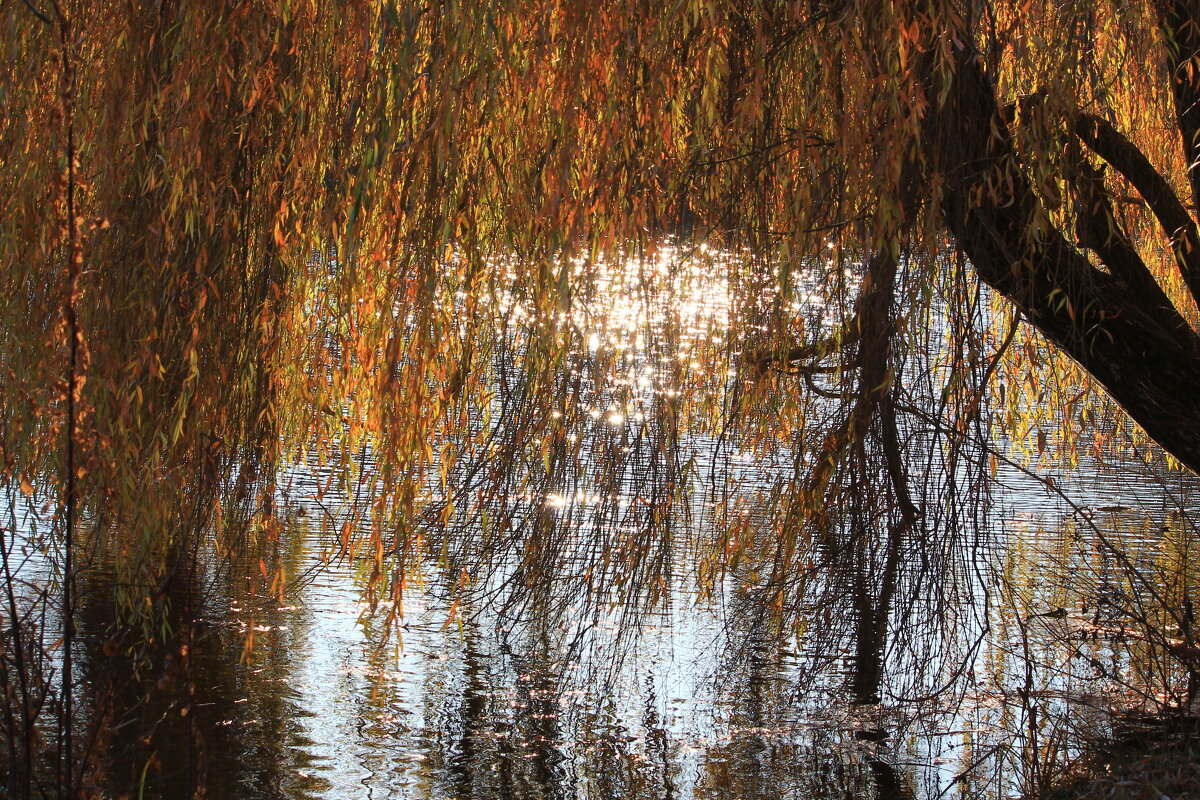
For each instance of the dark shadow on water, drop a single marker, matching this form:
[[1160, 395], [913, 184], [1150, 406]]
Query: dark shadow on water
[[889, 783]]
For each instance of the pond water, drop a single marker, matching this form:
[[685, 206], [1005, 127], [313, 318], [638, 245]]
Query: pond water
[[688, 701], [310, 693]]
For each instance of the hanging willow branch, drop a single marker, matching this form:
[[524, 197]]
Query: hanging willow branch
[[75, 379], [374, 237]]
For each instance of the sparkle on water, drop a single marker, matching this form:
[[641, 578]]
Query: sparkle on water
[[697, 697]]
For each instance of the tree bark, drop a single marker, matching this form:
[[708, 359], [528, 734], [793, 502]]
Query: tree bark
[[1147, 357]]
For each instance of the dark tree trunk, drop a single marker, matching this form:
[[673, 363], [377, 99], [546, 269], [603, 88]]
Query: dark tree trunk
[[1117, 328]]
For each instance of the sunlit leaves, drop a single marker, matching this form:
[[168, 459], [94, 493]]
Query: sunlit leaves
[[365, 234]]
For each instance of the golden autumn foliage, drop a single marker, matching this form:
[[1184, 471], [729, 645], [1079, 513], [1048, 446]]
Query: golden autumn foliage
[[317, 229]]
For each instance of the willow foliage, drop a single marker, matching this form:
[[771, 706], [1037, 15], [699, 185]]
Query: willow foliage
[[360, 230]]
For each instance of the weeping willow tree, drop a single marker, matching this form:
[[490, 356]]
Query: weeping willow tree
[[233, 235]]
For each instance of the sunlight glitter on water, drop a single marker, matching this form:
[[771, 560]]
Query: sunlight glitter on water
[[698, 697]]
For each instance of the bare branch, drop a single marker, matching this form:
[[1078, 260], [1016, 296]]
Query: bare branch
[[36, 12]]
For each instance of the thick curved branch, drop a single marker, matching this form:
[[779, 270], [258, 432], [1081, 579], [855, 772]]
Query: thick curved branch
[[1147, 358], [1125, 157], [1180, 23], [1097, 229]]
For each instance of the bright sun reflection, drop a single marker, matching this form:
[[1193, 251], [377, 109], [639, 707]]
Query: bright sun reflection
[[656, 334]]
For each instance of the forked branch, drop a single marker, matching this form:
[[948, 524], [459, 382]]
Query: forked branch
[[1097, 229], [1125, 157]]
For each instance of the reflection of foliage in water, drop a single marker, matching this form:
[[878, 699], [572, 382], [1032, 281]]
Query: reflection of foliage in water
[[620, 511], [236, 238]]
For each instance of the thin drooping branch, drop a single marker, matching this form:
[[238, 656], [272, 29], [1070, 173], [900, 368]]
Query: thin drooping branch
[[74, 385], [1125, 157]]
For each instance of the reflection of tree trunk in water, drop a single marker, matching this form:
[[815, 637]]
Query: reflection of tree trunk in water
[[144, 733], [463, 766], [658, 747], [873, 603], [873, 421], [886, 511], [872, 599], [889, 785], [546, 738], [531, 755]]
